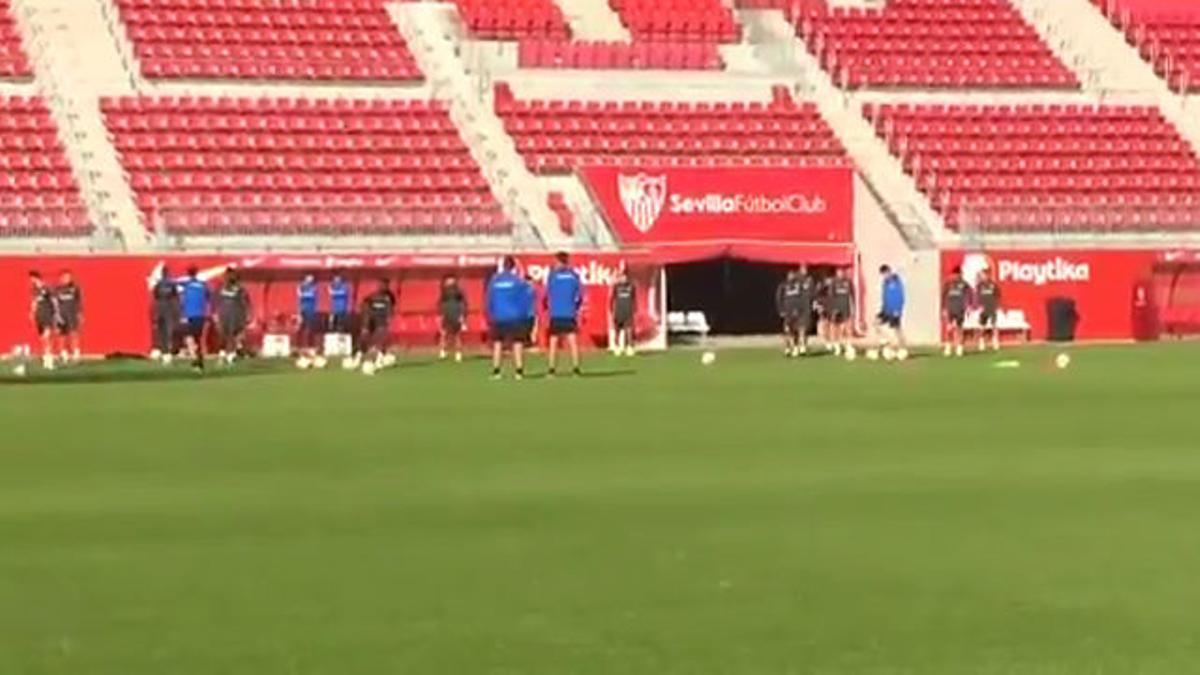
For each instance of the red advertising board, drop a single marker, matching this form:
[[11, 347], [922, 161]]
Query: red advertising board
[[1103, 283], [117, 303], [727, 206]]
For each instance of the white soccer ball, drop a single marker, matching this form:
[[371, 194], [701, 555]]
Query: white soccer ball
[[902, 354], [303, 363], [389, 360], [155, 355], [20, 371], [368, 369], [319, 362], [708, 358], [872, 354], [851, 353], [1062, 361], [348, 363], [889, 353]]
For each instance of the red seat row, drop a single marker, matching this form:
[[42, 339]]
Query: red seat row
[[1046, 167], [678, 20], [559, 136], [928, 43], [198, 165], [13, 62], [620, 55], [271, 40], [514, 19]]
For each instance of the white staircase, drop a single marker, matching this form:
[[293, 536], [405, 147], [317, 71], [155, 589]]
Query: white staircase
[[593, 20], [76, 66], [434, 36]]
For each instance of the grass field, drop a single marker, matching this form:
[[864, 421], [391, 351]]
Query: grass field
[[756, 517]]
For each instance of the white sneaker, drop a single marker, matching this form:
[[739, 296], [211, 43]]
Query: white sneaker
[[959, 351], [166, 359], [458, 357], [803, 349], [442, 355], [947, 350]]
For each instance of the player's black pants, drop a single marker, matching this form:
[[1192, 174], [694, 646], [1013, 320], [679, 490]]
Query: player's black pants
[[163, 326]]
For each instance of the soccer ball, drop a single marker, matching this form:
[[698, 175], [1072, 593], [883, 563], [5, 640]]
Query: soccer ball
[[1062, 361], [368, 369], [155, 355], [389, 360], [708, 358], [348, 363], [888, 354], [872, 354], [303, 363], [851, 353], [19, 371], [902, 354], [319, 362]]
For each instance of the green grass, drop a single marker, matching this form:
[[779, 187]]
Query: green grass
[[755, 517]]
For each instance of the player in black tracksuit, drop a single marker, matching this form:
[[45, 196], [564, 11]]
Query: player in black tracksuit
[[956, 295], [622, 307], [69, 299], [43, 312], [794, 303], [378, 309], [233, 316], [987, 294], [164, 316], [452, 307]]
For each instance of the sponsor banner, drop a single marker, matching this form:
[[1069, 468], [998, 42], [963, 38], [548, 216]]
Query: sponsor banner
[[117, 303], [653, 205], [1111, 288]]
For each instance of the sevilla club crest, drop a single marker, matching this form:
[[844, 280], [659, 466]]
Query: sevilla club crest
[[643, 197]]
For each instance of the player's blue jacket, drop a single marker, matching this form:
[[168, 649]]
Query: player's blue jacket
[[339, 298], [194, 298], [308, 296], [507, 297], [529, 301], [564, 293], [893, 295]]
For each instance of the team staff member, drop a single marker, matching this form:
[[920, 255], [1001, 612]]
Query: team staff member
[[69, 299], [987, 292], [622, 307], [43, 312], [564, 298], [164, 316], [340, 304], [841, 310], [891, 313], [452, 306], [956, 295], [793, 302], [195, 298], [233, 315], [308, 300], [508, 308], [378, 309]]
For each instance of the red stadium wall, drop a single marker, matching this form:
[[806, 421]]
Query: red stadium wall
[[1116, 292], [117, 304]]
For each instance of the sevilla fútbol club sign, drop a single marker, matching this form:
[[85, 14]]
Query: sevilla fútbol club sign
[[680, 204]]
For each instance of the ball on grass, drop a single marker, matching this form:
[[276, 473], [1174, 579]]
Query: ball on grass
[[851, 353], [1062, 361], [303, 363], [319, 362], [20, 371], [902, 354], [348, 363], [708, 358], [872, 354], [368, 369], [389, 360]]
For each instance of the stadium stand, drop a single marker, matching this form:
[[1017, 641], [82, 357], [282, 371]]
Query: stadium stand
[[38, 193], [13, 61], [927, 43], [514, 19], [267, 40], [557, 136], [1166, 34], [205, 166], [678, 20], [1041, 168]]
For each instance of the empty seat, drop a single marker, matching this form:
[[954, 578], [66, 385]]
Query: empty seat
[[560, 136], [1046, 168], [201, 165]]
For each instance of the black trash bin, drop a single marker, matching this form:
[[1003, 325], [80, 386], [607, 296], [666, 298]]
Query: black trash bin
[[1061, 319]]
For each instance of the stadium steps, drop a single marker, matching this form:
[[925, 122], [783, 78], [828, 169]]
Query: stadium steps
[[75, 65], [910, 212], [593, 20], [435, 35]]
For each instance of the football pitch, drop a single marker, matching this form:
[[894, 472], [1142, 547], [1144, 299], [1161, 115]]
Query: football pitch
[[759, 516]]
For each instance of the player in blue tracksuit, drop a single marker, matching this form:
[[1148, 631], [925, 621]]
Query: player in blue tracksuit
[[508, 306], [564, 298], [194, 299], [891, 311], [308, 300], [340, 304]]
